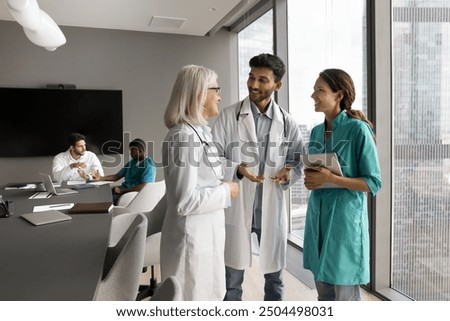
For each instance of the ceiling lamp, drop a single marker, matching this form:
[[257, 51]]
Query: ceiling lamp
[[38, 26]]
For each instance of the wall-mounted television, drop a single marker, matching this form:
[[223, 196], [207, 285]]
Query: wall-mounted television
[[37, 122]]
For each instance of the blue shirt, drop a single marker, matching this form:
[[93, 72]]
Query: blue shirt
[[135, 172]]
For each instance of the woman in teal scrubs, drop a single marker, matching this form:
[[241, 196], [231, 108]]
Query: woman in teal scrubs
[[336, 244]]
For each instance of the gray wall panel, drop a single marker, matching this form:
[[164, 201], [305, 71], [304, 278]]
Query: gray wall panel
[[142, 65]]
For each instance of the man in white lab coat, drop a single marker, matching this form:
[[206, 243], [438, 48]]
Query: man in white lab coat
[[77, 163], [263, 143]]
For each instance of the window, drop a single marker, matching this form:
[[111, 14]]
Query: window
[[410, 231], [421, 139], [255, 39], [321, 34]]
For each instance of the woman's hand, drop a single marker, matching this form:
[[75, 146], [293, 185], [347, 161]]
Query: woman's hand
[[234, 189], [314, 178]]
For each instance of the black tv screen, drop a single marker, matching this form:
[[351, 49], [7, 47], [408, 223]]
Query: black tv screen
[[37, 122]]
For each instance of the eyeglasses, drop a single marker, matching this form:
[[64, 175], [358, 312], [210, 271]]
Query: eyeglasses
[[217, 89]]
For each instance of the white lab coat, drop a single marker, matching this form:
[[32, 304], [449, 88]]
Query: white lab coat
[[61, 166], [236, 140], [193, 233]]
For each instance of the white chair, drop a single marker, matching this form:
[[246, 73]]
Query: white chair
[[155, 220], [151, 201], [126, 199], [170, 290], [124, 258], [142, 201]]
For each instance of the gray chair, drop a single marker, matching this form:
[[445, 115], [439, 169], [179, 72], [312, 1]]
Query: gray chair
[[126, 199], [124, 258], [142, 201], [155, 220], [150, 201], [170, 290]]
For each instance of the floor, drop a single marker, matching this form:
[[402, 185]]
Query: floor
[[295, 290]]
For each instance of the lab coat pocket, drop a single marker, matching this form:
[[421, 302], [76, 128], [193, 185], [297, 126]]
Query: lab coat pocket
[[199, 236], [348, 217]]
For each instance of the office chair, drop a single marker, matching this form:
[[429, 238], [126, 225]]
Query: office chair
[[170, 290], [142, 201], [126, 199], [155, 220], [124, 258], [145, 201]]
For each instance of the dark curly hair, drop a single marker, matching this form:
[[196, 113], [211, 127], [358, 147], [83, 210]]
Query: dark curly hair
[[73, 138], [270, 61]]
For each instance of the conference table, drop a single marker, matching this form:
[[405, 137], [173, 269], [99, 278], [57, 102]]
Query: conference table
[[58, 261]]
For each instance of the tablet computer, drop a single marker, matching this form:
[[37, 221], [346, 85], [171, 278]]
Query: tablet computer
[[327, 160]]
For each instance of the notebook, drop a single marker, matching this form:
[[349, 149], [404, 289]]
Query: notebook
[[50, 187], [87, 208], [46, 217]]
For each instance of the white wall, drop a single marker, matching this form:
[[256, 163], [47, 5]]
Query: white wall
[[142, 65]]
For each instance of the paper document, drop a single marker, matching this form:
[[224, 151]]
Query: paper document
[[63, 206], [40, 195]]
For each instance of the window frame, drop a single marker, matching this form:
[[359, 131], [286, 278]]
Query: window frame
[[379, 99]]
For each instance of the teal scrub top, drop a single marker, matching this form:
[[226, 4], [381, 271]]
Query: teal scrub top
[[336, 242], [135, 173]]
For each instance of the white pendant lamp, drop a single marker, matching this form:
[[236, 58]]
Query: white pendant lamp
[[25, 12], [48, 35], [38, 26]]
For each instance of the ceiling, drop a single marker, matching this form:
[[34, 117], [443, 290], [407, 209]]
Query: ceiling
[[186, 17]]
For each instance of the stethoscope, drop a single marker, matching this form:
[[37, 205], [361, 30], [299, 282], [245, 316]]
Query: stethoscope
[[199, 137], [203, 142], [282, 113]]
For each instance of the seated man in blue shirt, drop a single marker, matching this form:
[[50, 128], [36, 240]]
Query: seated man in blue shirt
[[139, 171]]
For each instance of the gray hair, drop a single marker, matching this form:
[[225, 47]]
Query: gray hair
[[188, 96]]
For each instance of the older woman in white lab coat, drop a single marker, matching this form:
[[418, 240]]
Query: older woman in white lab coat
[[193, 234]]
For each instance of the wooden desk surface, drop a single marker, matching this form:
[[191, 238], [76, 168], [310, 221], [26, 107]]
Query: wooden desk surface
[[60, 261]]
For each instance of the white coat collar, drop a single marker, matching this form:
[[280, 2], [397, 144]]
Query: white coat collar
[[246, 124]]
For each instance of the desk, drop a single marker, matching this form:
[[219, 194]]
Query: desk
[[61, 261]]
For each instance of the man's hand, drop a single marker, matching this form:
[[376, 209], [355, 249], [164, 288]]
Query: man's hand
[[78, 165], [282, 176], [83, 174], [117, 190], [96, 175], [246, 172]]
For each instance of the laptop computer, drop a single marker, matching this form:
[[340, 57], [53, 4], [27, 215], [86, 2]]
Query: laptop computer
[[46, 217], [50, 187]]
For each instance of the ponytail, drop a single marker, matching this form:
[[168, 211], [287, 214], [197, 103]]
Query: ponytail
[[353, 113]]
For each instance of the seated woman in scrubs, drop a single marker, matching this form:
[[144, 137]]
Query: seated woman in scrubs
[[336, 244]]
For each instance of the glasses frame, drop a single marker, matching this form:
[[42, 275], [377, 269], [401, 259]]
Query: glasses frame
[[217, 89]]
